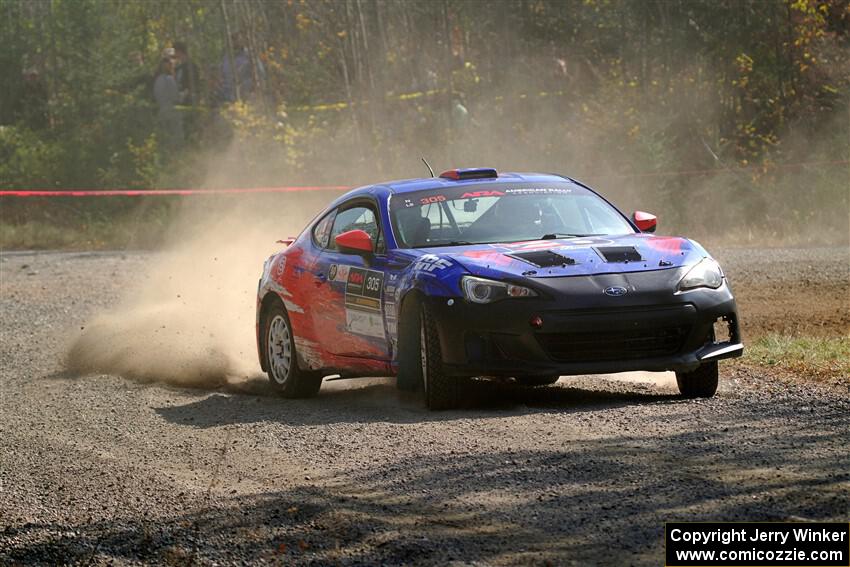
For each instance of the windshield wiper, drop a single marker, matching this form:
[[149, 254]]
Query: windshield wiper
[[553, 235], [452, 243]]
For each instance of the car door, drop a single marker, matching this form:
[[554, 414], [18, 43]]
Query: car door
[[352, 325]]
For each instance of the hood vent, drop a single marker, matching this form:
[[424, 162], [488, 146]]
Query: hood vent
[[543, 258], [619, 254]]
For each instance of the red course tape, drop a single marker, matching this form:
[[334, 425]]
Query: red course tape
[[154, 192], [296, 189]]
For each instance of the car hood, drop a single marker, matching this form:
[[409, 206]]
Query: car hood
[[574, 256]]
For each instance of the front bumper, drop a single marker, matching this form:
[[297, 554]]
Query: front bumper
[[585, 331]]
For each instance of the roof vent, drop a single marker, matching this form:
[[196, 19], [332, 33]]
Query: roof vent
[[470, 173]]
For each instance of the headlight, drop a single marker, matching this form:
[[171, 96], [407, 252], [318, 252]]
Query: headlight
[[480, 290], [706, 273]]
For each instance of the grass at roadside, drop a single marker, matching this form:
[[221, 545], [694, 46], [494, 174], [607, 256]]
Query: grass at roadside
[[37, 235], [83, 228], [820, 358]]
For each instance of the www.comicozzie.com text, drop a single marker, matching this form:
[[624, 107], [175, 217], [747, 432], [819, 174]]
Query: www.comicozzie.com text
[[743, 534]]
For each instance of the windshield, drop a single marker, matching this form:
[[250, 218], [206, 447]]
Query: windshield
[[501, 213]]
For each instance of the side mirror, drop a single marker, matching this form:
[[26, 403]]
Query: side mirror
[[646, 222], [354, 242]]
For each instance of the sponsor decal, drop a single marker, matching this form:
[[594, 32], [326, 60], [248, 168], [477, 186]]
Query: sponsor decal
[[492, 256], [472, 194], [279, 267], [538, 190], [430, 263], [363, 308], [338, 273], [669, 244], [364, 323], [364, 288]]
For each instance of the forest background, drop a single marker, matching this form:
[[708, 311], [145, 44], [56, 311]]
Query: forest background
[[730, 119]]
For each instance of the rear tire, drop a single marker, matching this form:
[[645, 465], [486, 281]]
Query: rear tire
[[441, 391], [281, 359], [533, 381], [699, 383]]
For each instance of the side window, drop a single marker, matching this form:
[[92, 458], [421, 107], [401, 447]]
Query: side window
[[322, 230], [362, 218]]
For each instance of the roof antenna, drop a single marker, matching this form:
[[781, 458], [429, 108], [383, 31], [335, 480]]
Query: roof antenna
[[428, 165]]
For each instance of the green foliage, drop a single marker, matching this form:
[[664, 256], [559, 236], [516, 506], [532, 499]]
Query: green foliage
[[345, 91], [27, 160]]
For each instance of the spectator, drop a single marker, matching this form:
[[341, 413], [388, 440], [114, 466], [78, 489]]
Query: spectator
[[237, 76], [167, 97], [187, 75]]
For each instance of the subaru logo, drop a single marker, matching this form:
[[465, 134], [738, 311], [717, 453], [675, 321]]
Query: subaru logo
[[615, 291]]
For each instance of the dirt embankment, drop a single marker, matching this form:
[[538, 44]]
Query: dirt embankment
[[793, 291]]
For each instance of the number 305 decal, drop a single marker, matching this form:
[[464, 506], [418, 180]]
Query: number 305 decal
[[432, 199], [373, 283]]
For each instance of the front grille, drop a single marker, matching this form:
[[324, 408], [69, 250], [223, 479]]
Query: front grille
[[614, 345]]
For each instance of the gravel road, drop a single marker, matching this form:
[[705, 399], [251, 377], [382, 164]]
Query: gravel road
[[105, 470]]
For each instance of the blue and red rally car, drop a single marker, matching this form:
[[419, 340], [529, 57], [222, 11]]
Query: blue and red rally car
[[475, 273]]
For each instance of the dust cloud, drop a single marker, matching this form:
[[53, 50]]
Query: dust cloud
[[188, 318]]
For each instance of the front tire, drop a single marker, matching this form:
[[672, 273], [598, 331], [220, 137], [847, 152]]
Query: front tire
[[441, 391], [281, 359], [699, 383]]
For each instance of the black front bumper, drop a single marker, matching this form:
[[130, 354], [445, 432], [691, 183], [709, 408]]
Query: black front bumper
[[584, 331]]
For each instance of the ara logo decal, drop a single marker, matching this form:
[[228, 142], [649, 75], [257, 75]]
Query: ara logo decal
[[615, 291], [482, 194], [430, 262]]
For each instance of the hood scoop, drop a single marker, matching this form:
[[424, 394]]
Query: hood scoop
[[543, 258], [619, 254]]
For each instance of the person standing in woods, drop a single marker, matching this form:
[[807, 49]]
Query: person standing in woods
[[187, 75], [241, 76], [236, 79], [167, 96]]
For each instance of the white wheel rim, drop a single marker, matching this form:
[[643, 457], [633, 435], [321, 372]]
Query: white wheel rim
[[423, 354], [279, 349]]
